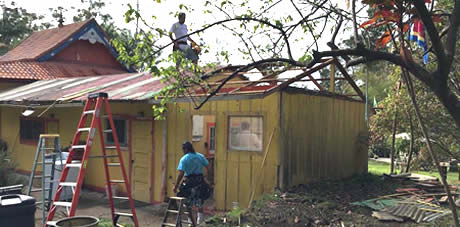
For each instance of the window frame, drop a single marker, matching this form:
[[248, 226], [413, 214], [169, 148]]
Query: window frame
[[44, 122], [106, 138], [230, 115]]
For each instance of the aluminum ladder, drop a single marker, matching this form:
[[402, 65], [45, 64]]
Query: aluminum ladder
[[176, 205], [45, 156], [79, 155]]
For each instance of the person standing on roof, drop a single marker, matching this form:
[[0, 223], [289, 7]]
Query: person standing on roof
[[181, 36]]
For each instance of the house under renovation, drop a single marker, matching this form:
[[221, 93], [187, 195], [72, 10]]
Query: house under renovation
[[258, 135]]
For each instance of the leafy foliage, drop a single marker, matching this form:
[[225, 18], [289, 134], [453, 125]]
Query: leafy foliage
[[16, 24]]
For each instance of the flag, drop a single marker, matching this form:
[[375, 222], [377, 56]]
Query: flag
[[417, 33]]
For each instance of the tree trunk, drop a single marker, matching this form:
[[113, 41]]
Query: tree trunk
[[393, 139], [395, 123], [447, 98], [411, 145]]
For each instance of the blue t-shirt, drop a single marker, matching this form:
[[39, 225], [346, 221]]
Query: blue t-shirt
[[192, 163]]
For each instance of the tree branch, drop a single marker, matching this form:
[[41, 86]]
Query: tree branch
[[425, 16], [245, 68], [371, 55]]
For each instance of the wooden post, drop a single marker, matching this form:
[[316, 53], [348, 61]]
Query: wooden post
[[395, 121], [332, 78]]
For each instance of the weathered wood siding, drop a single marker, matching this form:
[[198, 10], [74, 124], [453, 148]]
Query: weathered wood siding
[[320, 138], [236, 172], [64, 122]]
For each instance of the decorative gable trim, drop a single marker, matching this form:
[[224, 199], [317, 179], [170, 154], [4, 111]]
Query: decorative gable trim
[[91, 32]]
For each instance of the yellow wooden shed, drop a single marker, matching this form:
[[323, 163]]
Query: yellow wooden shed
[[258, 135]]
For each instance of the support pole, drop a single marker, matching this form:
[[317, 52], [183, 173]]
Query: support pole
[[332, 79]]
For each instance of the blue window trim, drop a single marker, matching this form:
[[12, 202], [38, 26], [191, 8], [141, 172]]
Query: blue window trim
[[53, 52]]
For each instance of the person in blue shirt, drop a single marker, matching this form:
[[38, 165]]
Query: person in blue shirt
[[194, 187]]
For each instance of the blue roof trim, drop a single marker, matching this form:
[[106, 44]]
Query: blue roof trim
[[76, 36]]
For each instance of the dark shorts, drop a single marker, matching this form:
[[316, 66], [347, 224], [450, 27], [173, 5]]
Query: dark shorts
[[195, 189]]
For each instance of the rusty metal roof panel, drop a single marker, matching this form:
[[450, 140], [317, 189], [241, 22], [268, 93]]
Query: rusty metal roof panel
[[124, 87]]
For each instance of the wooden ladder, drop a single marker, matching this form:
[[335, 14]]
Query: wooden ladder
[[176, 205], [79, 155]]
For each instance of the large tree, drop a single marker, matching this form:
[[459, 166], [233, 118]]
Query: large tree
[[268, 34], [269, 37]]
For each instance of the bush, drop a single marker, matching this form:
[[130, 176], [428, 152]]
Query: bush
[[7, 166]]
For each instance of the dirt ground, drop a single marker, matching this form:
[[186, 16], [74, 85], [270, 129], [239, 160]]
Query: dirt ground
[[96, 204], [327, 203]]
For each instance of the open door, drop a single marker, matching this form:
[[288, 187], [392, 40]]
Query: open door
[[204, 139]]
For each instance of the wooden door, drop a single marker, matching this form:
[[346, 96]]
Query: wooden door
[[141, 150]]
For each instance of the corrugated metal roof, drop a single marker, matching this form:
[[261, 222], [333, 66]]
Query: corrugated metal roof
[[122, 87]]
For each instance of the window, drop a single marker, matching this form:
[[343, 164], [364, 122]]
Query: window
[[30, 129], [245, 133], [121, 127]]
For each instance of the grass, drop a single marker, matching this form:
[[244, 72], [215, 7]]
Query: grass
[[380, 168]]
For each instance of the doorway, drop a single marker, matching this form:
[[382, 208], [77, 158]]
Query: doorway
[[204, 140]]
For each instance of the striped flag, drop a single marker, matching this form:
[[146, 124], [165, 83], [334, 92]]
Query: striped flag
[[417, 33]]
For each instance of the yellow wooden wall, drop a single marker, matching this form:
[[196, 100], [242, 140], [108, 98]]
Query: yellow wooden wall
[[236, 172], [68, 118], [320, 138]]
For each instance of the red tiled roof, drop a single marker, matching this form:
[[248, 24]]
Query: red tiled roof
[[39, 43], [32, 70]]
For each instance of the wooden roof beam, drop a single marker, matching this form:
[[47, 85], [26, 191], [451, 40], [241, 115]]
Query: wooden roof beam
[[301, 76], [349, 79]]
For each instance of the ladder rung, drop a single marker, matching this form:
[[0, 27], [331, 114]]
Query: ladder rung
[[176, 212], [114, 164], [74, 165], [62, 204], [111, 147], [123, 214], [102, 156], [89, 112], [117, 181], [107, 130], [46, 163], [40, 176], [168, 224], [52, 154], [83, 129], [119, 197], [176, 198], [68, 184], [78, 146], [104, 116], [38, 189]]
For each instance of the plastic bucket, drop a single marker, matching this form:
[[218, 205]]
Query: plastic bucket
[[78, 221]]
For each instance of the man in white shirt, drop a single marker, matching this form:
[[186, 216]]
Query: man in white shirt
[[181, 36]]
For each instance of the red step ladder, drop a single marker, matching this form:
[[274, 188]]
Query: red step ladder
[[78, 158]]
